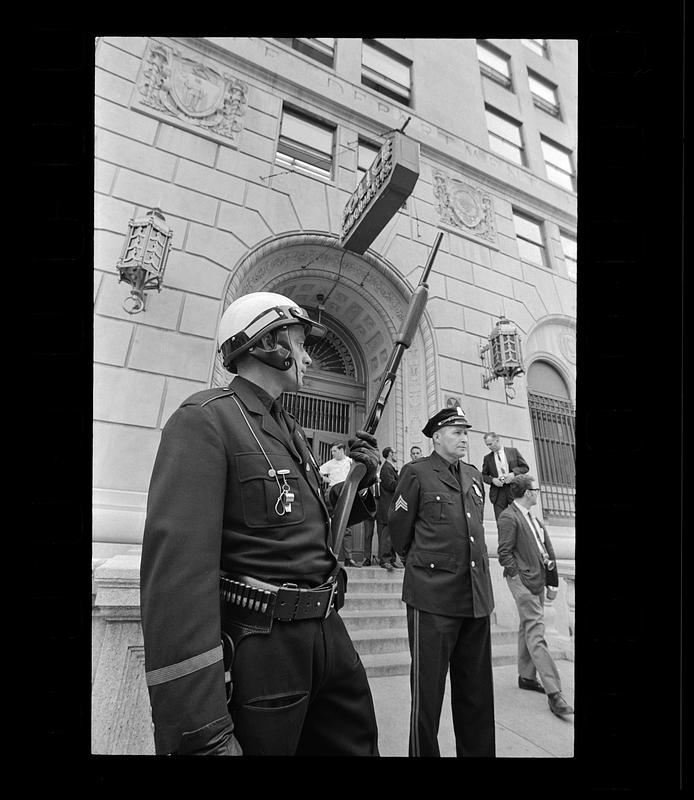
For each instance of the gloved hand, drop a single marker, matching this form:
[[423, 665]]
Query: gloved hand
[[364, 450]]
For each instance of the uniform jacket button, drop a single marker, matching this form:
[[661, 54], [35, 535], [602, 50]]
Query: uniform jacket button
[[468, 513], [437, 497], [472, 538], [431, 565], [473, 563]]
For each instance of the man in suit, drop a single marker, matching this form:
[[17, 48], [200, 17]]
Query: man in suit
[[388, 482], [237, 576], [525, 552], [499, 468], [436, 521]]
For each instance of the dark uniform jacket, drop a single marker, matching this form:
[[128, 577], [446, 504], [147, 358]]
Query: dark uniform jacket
[[518, 551], [438, 527], [516, 464], [388, 480], [211, 505]]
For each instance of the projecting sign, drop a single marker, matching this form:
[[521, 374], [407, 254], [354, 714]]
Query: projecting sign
[[386, 185]]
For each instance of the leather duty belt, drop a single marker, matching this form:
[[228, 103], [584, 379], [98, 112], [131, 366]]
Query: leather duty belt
[[285, 603]]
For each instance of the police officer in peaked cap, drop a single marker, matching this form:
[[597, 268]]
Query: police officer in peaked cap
[[436, 523], [245, 651]]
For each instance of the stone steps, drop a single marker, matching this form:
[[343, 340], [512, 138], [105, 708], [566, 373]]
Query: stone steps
[[376, 619]]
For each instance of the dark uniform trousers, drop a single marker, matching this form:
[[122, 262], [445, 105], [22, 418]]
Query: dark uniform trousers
[[301, 690], [438, 642]]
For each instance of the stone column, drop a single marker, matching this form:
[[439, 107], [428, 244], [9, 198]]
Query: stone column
[[121, 720]]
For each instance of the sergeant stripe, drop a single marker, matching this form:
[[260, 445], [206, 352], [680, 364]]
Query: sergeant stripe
[[173, 671]]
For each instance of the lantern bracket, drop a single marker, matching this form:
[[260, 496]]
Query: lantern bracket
[[143, 259]]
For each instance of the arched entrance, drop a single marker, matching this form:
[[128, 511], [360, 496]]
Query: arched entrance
[[363, 303]]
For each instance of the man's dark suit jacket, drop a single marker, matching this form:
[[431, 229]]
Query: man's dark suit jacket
[[516, 464], [389, 480], [517, 549]]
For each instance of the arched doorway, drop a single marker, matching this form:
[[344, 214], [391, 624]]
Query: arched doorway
[[331, 406], [552, 417], [363, 301]]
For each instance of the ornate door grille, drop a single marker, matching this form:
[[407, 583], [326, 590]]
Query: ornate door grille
[[554, 430], [315, 413]]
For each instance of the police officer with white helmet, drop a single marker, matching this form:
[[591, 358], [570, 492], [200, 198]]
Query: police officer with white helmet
[[245, 652]]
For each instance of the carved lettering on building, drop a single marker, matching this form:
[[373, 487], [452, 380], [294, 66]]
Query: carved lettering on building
[[186, 91], [464, 206]]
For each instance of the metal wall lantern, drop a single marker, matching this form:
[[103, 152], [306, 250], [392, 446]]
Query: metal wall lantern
[[502, 357], [143, 260]]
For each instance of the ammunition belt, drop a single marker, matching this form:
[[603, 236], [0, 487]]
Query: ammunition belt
[[287, 602]]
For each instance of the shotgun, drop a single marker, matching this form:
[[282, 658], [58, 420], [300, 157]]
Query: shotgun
[[403, 340]]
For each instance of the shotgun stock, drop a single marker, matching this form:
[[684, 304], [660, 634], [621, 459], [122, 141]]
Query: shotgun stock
[[403, 340]]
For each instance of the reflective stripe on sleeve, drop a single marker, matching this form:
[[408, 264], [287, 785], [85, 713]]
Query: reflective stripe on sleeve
[[173, 671]]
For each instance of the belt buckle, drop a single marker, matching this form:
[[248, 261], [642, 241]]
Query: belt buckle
[[331, 599]]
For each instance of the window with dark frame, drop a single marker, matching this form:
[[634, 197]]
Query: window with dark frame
[[558, 164], [494, 64], [544, 94], [570, 250], [320, 49], [366, 152], [386, 72], [505, 137], [538, 46], [306, 144], [530, 238]]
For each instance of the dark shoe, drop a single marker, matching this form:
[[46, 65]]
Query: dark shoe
[[557, 704], [366, 562], [531, 685], [387, 565], [350, 563], [398, 566]]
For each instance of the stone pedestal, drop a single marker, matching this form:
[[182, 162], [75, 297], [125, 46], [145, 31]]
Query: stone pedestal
[[121, 721]]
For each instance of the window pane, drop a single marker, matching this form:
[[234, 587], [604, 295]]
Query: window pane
[[530, 252], [528, 229], [385, 65], [568, 244], [492, 59], [329, 42], [302, 130], [560, 177], [503, 128], [506, 149], [366, 155], [555, 155], [542, 89], [536, 45]]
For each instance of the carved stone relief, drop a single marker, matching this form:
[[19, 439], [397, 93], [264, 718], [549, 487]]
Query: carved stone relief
[[188, 93], [465, 206], [567, 346]]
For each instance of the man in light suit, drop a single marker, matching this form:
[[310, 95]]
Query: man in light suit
[[527, 556], [499, 468]]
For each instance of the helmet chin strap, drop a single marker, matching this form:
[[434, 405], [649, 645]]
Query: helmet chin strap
[[280, 357]]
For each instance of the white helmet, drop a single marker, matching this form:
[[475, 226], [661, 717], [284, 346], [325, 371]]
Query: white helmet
[[250, 317]]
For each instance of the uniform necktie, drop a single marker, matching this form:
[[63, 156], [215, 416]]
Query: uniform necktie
[[454, 470], [277, 413]]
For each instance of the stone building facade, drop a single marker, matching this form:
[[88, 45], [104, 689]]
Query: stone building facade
[[251, 148]]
